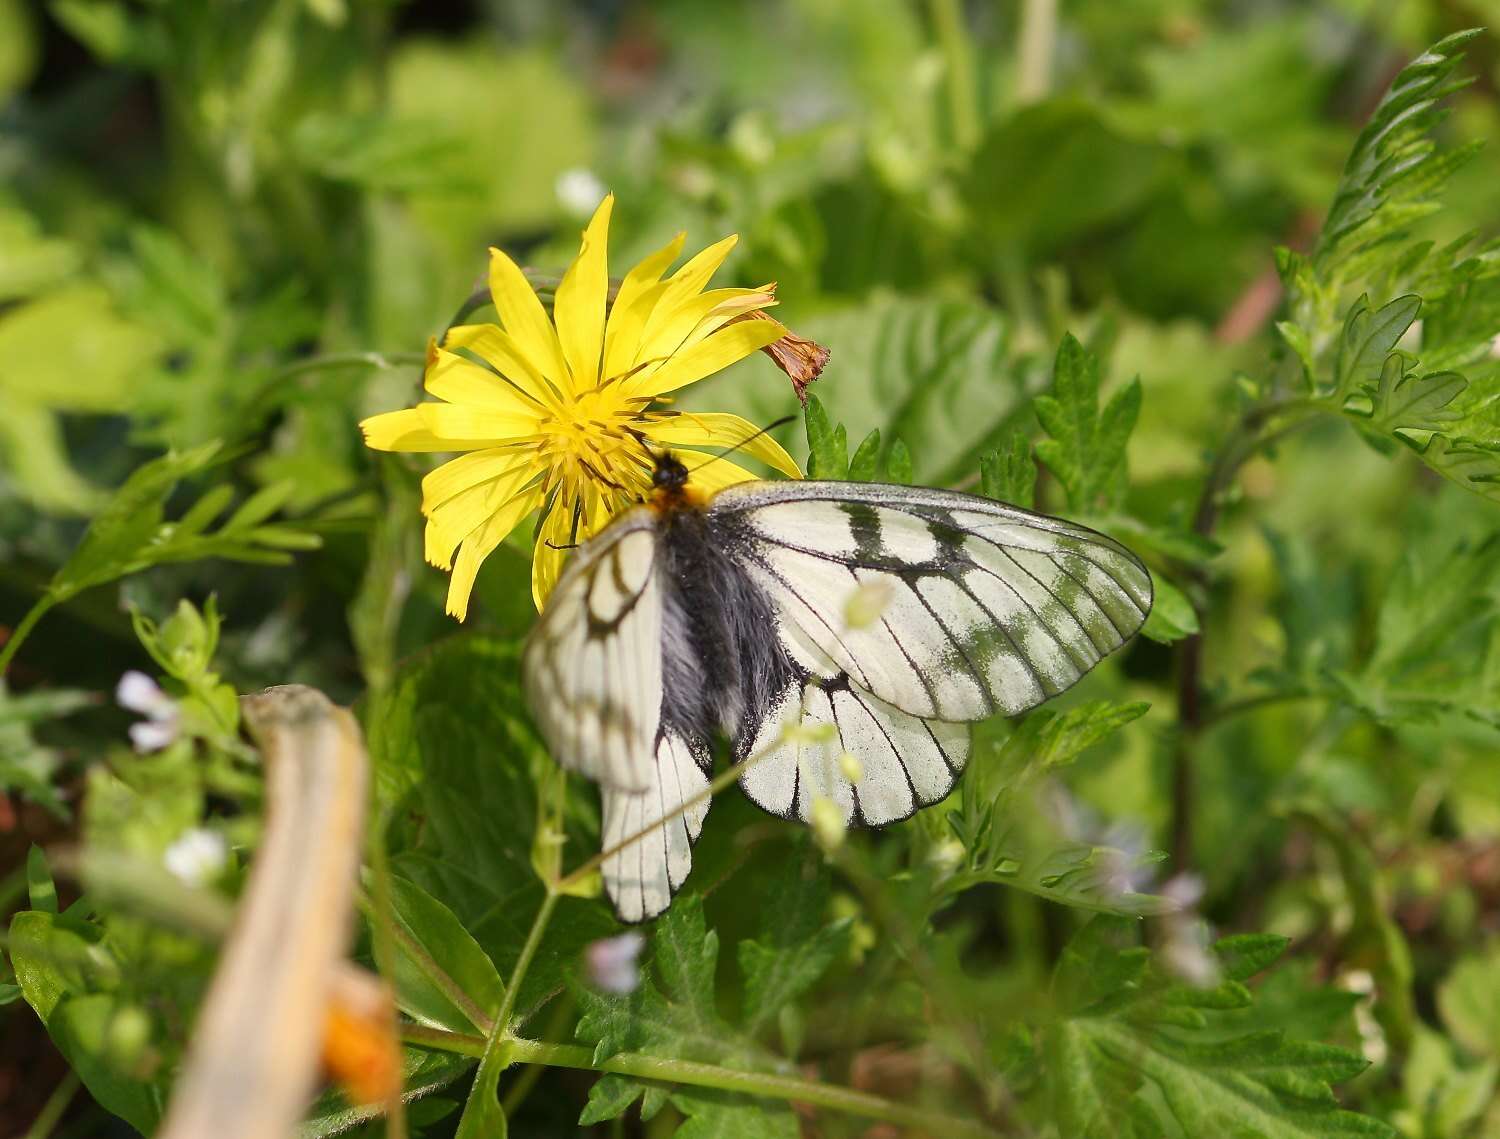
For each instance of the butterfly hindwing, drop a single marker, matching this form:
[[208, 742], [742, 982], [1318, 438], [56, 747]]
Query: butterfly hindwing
[[593, 663], [642, 877], [973, 607]]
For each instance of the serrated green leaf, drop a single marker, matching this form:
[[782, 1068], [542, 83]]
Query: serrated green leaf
[[715, 1114], [1086, 448], [1008, 474], [828, 456], [1368, 339], [1127, 1030], [798, 949]]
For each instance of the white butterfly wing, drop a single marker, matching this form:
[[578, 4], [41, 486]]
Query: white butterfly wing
[[641, 877], [592, 665], [800, 749], [944, 606]]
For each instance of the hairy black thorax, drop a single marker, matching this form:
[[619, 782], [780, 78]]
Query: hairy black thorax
[[721, 658]]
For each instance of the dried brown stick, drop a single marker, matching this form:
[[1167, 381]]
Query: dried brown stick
[[253, 1062]]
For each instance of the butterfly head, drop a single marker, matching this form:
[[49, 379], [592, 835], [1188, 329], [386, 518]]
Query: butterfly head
[[670, 488]]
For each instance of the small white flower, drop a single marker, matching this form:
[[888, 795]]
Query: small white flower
[[137, 692], [612, 963], [579, 191], [197, 856]]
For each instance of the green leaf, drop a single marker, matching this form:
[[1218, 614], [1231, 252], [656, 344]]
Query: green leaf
[[674, 1015], [1005, 835], [898, 464], [943, 375], [862, 464], [1373, 936], [1086, 451], [79, 356], [715, 1114], [1392, 163], [65, 974], [800, 948], [1008, 474], [1469, 1000], [452, 749], [40, 887], [1056, 171], [1050, 739], [130, 533], [423, 1073], [828, 446], [1368, 339], [1138, 1050], [27, 767], [450, 947], [1172, 615]]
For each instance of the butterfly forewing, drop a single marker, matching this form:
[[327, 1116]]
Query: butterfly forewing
[[593, 663], [978, 607]]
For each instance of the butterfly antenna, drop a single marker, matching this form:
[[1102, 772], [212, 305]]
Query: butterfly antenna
[[745, 442]]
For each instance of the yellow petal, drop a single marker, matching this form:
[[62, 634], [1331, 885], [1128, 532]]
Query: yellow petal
[[523, 316], [686, 282], [479, 545], [701, 314], [460, 474], [551, 552], [403, 430], [457, 380], [704, 359], [453, 519], [578, 307], [710, 473], [633, 304], [497, 348], [720, 429], [462, 427]]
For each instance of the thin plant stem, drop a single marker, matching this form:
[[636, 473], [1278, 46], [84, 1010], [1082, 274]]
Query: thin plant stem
[[498, 1050], [958, 65], [1260, 426], [19, 634], [695, 1074], [52, 1111]]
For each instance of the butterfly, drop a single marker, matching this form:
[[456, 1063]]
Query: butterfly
[[842, 636]]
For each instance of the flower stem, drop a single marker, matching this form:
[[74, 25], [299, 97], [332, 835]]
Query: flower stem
[[694, 1074], [23, 630], [498, 1050], [1258, 427]]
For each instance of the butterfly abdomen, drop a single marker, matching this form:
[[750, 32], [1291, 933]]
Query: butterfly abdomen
[[718, 662]]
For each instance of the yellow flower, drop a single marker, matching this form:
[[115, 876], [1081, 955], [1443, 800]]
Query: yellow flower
[[561, 415]]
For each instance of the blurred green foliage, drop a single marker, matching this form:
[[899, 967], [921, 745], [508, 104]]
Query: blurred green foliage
[[1219, 278]]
